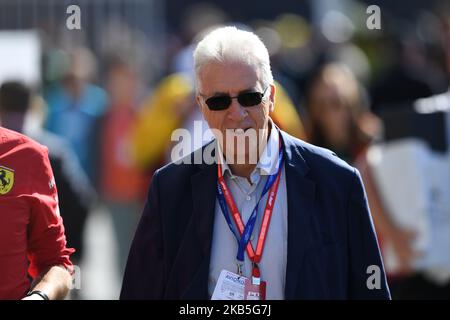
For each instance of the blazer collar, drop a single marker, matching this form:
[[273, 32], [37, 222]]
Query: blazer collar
[[301, 197]]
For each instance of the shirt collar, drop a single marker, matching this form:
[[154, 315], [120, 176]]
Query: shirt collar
[[268, 162]]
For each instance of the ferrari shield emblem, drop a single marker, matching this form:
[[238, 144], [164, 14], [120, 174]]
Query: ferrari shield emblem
[[6, 180]]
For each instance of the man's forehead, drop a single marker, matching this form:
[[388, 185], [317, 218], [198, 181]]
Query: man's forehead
[[242, 66], [222, 78]]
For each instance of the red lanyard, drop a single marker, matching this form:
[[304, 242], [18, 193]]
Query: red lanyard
[[254, 257]]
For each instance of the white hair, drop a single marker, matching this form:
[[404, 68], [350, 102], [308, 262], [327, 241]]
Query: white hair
[[230, 44]]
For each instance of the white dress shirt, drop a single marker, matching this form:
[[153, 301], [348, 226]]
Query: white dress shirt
[[224, 244]]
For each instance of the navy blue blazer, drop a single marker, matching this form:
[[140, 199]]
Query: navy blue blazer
[[331, 238]]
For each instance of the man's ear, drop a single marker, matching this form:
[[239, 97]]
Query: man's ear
[[272, 97], [198, 98]]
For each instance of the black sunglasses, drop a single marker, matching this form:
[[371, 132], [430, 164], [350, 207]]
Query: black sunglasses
[[246, 99]]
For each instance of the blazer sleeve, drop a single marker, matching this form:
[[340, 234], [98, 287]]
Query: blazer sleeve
[[144, 272], [367, 279]]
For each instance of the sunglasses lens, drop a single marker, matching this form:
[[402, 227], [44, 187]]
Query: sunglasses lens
[[250, 99], [218, 103]]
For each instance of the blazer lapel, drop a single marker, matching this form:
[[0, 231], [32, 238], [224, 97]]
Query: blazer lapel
[[204, 199], [203, 185], [300, 194]]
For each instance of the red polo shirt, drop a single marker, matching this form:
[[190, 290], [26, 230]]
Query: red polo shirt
[[31, 229]]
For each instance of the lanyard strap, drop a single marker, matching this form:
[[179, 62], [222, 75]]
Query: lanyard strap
[[244, 233]]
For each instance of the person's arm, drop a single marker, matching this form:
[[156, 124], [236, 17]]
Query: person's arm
[[367, 278], [55, 282], [386, 228], [50, 266]]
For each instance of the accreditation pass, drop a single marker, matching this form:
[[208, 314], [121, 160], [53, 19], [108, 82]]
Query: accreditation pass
[[230, 286]]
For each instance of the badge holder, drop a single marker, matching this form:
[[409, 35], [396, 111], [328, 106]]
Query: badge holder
[[254, 288]]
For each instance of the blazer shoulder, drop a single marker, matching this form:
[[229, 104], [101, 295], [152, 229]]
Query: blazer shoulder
[[186, 166], [318, 158], [330, 173]]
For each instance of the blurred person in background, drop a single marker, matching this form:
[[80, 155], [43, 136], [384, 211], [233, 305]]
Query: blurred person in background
[[405, 78], [339, 119], [338, 115], [25, 114], [445, 38], [76, 107], [431, 280], [121, 180], [34, 259]]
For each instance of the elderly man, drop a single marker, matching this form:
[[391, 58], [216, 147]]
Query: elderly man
[[273, 217]]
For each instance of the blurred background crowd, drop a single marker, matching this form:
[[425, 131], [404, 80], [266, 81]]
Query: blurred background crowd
[[106, 98]]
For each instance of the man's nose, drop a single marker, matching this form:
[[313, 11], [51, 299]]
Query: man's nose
[[236, 112]]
